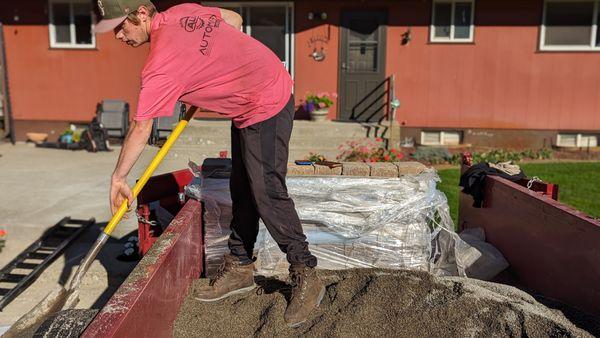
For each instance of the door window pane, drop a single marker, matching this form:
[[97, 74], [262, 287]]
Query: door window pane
[[267, 25], [83, 22], [362, 58], [363, 39], [62, 22], [462, 20], [568, 23], [442, 20], [363, 30]]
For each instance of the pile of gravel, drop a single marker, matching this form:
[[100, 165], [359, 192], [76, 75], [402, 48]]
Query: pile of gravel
[[368, 302]]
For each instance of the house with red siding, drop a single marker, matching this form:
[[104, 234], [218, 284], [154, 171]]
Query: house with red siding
[[506, 73]]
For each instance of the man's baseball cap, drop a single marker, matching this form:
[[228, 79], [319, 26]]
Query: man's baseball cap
[[114, 12]]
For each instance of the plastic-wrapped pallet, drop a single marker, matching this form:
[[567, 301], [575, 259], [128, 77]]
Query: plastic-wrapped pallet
[[349, 222]]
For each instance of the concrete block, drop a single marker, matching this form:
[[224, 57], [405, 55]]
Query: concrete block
[[410, 168], [383, 169], [300, 170], [355, 169], [325, 170]]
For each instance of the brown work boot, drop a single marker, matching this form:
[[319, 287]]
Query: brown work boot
[[307, 293], [231, 279]]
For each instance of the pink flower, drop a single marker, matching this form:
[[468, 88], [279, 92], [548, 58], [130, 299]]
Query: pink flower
[[321, 105]]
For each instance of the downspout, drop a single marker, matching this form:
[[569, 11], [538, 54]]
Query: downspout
[[7, 111]]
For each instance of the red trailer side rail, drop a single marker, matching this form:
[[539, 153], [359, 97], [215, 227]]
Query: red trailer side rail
[[147, 303], [552, 248]]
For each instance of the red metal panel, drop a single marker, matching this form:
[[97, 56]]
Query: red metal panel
[[166, 189], [147, 302], [551, 248]]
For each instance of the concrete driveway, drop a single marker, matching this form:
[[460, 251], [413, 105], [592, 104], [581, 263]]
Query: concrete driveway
[[38, 187]]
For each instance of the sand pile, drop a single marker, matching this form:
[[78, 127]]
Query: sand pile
[[381, 303]]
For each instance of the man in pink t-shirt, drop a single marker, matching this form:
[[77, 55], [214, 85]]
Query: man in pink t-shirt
[[199, 56]]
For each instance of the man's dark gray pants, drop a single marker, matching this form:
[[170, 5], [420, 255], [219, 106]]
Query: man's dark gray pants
[[258, 190]]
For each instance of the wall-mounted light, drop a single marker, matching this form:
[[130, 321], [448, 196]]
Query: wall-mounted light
[[406, 37], [317, 15]]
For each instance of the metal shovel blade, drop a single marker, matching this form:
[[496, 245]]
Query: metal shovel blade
[[28, 324], [60, 298]]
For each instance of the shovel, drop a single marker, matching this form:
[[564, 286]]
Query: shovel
[[62, 298]]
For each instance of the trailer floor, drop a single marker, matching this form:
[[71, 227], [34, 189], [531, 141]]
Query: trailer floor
[[368, 302]]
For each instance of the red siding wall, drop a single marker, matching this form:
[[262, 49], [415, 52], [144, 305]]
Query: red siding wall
[[64, 84], [499, 81]]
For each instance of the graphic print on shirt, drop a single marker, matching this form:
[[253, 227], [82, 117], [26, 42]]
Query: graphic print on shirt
[[205, 27]]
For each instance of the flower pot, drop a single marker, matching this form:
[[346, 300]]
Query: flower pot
[[319, 115]]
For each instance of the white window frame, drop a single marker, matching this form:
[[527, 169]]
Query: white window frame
[[451, 39], [579, 143], [442, 137], [289, 22], [52, 28], [591, 47]]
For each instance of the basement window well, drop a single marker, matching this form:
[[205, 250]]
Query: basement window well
[[71, 23], [452, 21], [433, 138], [576, 140]]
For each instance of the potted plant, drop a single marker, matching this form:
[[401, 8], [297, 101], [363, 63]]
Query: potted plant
[[317, 105]]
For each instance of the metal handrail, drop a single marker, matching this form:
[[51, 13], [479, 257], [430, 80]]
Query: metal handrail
[[387, 82]]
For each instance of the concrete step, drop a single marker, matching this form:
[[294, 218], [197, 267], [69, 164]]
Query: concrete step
[[302, 129], [198, 153], [203, 139], [316, 142]]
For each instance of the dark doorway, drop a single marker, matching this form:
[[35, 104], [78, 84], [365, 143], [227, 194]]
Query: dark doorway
[[362, 65]]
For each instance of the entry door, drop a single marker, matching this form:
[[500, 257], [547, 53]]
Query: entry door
[[362, 65]]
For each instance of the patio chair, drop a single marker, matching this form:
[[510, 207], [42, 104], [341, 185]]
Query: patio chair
[[114, 117], [163, 126]]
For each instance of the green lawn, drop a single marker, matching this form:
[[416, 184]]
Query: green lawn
[[579, 184]]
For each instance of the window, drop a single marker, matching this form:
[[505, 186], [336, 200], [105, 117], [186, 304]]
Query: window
[[71, 23], [570, 25], [452, 21], [440, 137], [577, 140], [268, 22]]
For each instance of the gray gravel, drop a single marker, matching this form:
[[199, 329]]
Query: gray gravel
[[366, 303]]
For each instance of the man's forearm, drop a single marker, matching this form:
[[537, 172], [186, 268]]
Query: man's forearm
[[134, 144]]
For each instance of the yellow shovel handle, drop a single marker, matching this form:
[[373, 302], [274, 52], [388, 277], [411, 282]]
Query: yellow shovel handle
[[150, 169]]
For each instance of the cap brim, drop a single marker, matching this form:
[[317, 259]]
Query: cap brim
[[108, 25]]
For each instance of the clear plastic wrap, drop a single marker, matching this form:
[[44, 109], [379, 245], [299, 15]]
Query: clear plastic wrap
[[349, 222]]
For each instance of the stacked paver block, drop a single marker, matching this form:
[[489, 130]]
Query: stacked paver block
[[383, 169], [410, 168], [356, 169], [300, 170], [325, 170], [376, 169]]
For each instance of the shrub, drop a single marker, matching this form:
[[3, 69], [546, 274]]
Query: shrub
[[433, 155], [368, 150]]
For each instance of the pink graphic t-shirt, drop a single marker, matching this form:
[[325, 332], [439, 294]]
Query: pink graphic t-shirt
[[197, 58]]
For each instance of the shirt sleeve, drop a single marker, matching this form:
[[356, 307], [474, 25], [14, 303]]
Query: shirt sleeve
[[158, 97]]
